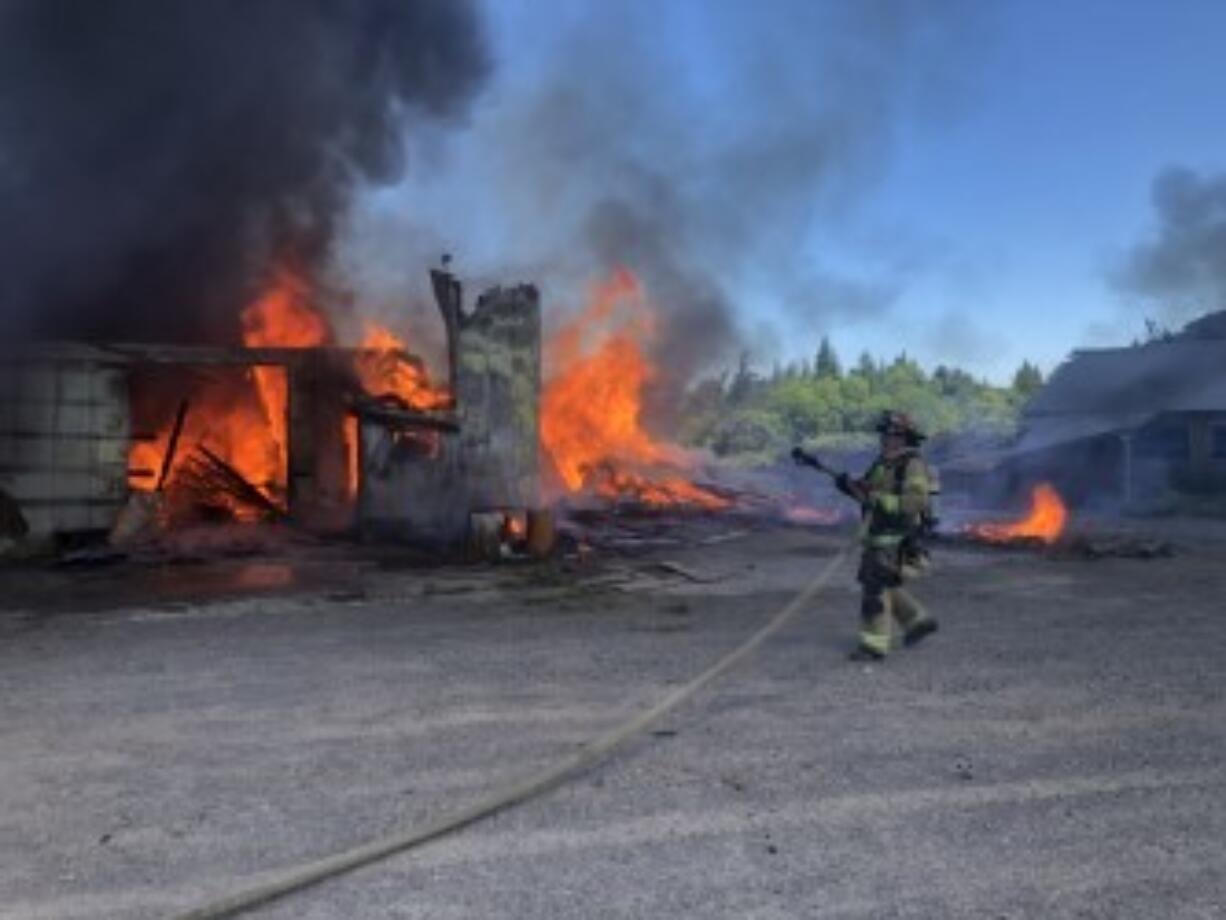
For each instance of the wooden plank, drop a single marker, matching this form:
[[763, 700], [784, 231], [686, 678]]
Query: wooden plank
[[172, 446]]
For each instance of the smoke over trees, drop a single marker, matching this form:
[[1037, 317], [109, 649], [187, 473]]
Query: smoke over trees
[[156, 155]]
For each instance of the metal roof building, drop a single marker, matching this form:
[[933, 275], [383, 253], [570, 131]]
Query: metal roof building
[[1126, 421]]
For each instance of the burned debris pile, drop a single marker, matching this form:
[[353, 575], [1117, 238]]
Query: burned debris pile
[[1071, 546], [1115, 547], [217, 491]]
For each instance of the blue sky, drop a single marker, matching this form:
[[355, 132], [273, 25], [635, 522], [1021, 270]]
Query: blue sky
[[996, 163], [1044, 182]]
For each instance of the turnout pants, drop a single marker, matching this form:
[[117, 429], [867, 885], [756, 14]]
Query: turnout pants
[[884, 599]]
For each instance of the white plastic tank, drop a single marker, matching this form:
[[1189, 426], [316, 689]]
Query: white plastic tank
[[64, 436]]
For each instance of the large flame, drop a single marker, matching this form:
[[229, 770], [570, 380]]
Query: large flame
[[245, 422], [227, 415], [241, 416], [591, 405], [1045, 521], [282, 317]]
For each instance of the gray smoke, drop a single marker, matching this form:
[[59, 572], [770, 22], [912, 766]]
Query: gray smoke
[[157, 155], [1181, 269], [699, 145]]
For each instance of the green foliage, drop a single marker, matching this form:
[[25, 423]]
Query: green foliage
[[746, 431], [1028, 380], [829, 408]]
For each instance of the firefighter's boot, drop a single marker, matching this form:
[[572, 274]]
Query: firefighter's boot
[[865, 653], [917, 633], [913, 619], [874, 627]]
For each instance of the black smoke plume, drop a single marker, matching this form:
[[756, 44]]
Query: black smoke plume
[[156, 156], [1181, 269]]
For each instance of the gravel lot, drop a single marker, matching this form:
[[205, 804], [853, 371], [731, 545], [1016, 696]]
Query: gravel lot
[[1057, 750]]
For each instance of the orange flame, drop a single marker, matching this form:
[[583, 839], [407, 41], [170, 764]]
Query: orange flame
[[385, 368], [352, 459], [226, 415], [281, 318], [1045, 520], [245, 422], [514, 527], [244, 419], [591, 405]]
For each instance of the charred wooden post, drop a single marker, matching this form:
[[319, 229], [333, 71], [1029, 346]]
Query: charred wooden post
[[318, 458], [449, 295], [172, 446]]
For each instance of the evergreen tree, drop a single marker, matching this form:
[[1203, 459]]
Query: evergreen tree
[[744, 382], [866, 367], [827, 365], [1028, 380]]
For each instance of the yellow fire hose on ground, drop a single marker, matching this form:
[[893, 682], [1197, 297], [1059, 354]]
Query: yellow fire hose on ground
[[300, 877]]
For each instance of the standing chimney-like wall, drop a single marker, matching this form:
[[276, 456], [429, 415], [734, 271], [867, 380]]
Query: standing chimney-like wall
[[498, 390], [424, 474]]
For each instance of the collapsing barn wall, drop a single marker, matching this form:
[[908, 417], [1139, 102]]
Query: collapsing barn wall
[[423, 474], [412, 487]]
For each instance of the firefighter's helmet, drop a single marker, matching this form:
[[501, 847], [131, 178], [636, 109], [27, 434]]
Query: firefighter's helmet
[[900, 423]]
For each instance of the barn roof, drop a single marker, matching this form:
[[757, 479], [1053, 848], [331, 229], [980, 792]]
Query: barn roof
[[1181, 375]]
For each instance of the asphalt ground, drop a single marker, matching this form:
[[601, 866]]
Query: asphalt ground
[[1057, 750]]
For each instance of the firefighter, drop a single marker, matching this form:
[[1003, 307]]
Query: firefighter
[[896, 498]]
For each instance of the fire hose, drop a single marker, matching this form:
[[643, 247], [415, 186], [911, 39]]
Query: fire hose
[[591, 753]]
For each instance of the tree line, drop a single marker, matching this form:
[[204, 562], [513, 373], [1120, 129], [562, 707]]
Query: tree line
[[817, 401]]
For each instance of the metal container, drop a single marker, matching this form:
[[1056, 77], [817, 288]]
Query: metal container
[[64, 436]]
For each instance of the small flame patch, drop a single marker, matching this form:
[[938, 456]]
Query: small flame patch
[[1045, 521]]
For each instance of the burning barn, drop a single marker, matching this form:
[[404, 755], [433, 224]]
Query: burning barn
[[1124, 424], [124, 438]]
